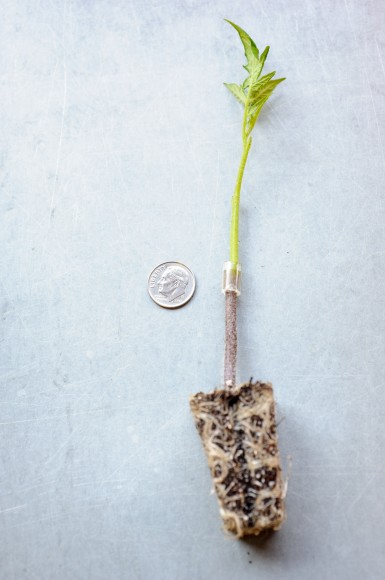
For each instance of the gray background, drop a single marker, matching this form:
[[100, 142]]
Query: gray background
[[120, 147]]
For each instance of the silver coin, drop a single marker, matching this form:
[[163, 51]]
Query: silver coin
[[171, 284]]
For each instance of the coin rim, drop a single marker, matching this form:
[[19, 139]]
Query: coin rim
[[175, 306]]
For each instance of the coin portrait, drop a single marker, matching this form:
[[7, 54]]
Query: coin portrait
[[171, 284]]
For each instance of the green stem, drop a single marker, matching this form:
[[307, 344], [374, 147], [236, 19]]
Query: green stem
[[235, 203]]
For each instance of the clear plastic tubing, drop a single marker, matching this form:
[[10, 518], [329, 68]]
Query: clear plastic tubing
[[231, 278]]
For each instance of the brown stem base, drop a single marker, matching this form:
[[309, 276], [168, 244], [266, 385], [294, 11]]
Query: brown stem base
[[230, 340]]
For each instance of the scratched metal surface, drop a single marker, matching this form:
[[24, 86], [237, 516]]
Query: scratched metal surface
[[119, 151]]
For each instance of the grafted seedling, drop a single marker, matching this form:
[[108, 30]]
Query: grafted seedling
[[237, 423]]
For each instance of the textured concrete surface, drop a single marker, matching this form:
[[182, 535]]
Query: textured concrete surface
[[119, 149]]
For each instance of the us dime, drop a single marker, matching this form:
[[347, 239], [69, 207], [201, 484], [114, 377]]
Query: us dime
[[171, 284]]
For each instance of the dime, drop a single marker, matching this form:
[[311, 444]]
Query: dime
[[171, 284]]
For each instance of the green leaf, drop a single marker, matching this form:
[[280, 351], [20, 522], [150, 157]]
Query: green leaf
[[259, 100], [255, 89], [254, 114], [237, 92], [258, 84], [263, 56], [267, 88], [251, 51]]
